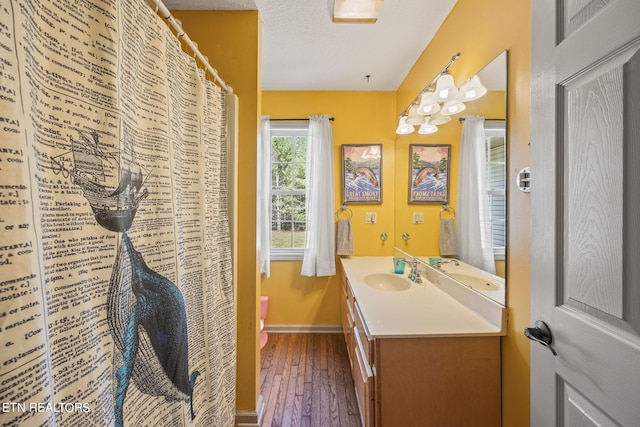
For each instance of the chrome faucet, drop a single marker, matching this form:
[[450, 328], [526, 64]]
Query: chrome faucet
[[414, 274], [440, 261]]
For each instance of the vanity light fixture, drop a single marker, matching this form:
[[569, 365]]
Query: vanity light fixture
[[404, 128], [445, 88], [428, 105], [427, 128], [414, 118], [471, 90], [440, 90], [452, 106], [439, 119]]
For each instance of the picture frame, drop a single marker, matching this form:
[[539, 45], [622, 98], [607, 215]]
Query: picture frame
[[362, 173], [429, 166]]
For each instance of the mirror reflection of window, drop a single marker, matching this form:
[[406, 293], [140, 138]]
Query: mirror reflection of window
[[495, 137]]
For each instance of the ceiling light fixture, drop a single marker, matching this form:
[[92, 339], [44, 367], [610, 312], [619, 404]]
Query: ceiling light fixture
[[440, 90], [356, 11]]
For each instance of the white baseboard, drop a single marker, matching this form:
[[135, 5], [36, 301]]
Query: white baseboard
[[251, 418], [304, 329]]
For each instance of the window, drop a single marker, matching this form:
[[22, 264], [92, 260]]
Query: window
[[495, 138], [288, 189]]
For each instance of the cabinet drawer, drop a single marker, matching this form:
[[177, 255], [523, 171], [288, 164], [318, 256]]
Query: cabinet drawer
[[347, 328], [366, 342], [347, 313]]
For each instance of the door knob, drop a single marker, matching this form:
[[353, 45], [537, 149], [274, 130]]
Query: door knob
[[541, 334]]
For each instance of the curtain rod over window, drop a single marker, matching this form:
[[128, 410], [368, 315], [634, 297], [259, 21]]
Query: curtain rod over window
[[461, 119], [295, 119], [177, 25]]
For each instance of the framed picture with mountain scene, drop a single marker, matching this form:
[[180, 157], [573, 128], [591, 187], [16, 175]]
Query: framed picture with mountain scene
[[429, 173], [362, 173]]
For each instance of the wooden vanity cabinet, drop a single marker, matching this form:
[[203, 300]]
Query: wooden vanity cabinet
[[360, 352], [422, 381]]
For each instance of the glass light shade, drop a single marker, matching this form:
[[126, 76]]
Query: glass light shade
[[445, 88], [439, 119], [414, 118], [403, 127], [452, 107], [471, 90], [427, 128], [428, 105]]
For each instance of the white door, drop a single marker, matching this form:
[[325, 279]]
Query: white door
[[585, 209]]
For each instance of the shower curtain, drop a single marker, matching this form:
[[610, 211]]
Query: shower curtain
[[116, 298]]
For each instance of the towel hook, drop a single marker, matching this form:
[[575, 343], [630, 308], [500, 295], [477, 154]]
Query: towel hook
[[344, 208], [447, 208]]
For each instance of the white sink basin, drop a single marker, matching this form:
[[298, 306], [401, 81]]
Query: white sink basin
[[387, 282], [475, 282]]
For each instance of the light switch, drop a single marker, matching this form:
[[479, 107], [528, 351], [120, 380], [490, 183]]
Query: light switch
[[418, 217], [370, 217]]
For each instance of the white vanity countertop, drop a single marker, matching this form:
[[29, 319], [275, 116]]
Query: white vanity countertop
[[422, 310]]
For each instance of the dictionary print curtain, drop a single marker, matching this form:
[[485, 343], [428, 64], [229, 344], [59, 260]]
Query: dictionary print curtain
[[116, 299]]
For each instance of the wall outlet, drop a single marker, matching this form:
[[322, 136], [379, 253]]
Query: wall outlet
[[418, 217], [370, 218]]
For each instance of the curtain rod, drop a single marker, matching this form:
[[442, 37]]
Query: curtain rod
[[295, 119], [461, 119], [177, 25]]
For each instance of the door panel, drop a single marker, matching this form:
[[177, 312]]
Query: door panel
[[585, 281], [581, 412]]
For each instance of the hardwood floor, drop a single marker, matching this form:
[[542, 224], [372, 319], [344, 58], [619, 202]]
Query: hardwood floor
[[305, 381]]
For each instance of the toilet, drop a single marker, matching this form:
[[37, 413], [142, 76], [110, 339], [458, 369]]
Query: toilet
[[264, 302]]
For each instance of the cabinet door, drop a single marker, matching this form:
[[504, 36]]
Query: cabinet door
[[363, 381]]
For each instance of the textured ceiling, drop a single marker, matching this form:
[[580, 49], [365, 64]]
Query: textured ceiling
[[302, 49]]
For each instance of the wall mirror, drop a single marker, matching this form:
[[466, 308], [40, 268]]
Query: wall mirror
[[417, 225]]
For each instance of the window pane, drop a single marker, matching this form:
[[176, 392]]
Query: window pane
[[498, 219], [281, 207], [298, 234], [288, 172], [496, 177], [281, 149], [498, 228], [300, 180], [299, 208], [281, 176], [281, 235], [299, 149]]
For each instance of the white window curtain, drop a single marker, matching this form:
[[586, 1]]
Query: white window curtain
[[264, 191], [473, 238], [319, 253]]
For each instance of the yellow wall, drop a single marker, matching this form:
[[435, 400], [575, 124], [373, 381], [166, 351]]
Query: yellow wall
[[360, 118], [231, 40], [480, 30]]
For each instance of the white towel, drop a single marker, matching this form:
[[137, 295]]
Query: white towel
[[447, 237], [344, 237]]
